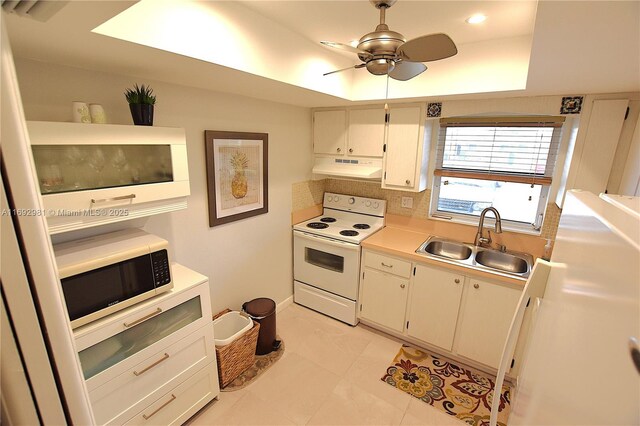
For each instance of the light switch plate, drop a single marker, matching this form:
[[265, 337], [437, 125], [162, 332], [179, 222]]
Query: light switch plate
[[407, 202]]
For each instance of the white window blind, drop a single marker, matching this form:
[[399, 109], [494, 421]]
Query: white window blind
[[508, 149]]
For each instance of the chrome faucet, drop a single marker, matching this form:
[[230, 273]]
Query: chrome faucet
[[479, 238]]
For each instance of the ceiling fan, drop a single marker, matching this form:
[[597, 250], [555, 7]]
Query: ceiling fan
[[387, 52]]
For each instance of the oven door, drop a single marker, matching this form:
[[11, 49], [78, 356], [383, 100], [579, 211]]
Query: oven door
[[327, 264]]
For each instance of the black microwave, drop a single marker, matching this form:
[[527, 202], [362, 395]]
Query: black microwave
[[103, 274]]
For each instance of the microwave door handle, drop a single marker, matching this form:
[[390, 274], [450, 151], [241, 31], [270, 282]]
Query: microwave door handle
[[329, 241]]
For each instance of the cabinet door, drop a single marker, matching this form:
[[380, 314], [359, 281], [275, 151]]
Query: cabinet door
[[600, 143], [384, 299], [366, 132], [487, 311], [434, 306], [329, 132], [401, 158]]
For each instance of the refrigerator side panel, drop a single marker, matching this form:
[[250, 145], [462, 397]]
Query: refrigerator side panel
[[579, 370]]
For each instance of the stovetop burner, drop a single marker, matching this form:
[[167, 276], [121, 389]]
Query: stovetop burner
[[361, 226], [328, 219], [317, 225], [349, 233]]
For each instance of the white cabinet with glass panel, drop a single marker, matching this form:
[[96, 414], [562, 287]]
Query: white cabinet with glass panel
[[504, 162], [145, 354], [101, 173], [407, 150]]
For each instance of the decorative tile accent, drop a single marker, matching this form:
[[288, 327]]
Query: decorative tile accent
[[571, 105], [434, 109]]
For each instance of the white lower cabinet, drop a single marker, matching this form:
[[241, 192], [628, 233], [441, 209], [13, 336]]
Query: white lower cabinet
[[384, 299], [484, 322], [434, 306], [457, 314], [384, 289], [155, 360]]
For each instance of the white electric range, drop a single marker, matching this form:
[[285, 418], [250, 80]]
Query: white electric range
[[326, 254]]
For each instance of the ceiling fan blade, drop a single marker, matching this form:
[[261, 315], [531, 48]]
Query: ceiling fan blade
[[346, 47], [427, 48], [405, 70], [344, 69]]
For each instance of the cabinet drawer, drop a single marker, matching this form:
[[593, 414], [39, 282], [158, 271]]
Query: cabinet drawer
[[176, 406], [114, 401], [388, 264], [119, 342]]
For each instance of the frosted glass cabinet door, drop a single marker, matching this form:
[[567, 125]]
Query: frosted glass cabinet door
[[109, 352], [68, 168]]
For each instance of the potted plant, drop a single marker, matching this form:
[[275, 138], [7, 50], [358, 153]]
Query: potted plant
[[141, 101]]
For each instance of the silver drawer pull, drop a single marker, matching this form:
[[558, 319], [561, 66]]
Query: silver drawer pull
[[120, 198], [385, 265], [173, 398], [146, 317], [144, 370]]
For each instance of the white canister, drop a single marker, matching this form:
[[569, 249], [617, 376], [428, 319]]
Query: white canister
[[98, 115], [81, 112]]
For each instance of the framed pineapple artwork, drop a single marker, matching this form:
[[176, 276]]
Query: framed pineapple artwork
[[237, 178]]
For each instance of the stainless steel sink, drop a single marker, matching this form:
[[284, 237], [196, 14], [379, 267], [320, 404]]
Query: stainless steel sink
[[449, 249], [475, 257], [502, 261]]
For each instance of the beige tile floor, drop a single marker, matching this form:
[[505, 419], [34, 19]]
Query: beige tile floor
[[329, 375]]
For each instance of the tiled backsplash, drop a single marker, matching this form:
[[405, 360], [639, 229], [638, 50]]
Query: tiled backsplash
[[309, 193]]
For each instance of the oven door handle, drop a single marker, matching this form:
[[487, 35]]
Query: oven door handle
[[329, 241]]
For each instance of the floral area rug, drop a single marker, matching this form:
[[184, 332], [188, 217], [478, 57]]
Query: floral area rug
[[457, 391]]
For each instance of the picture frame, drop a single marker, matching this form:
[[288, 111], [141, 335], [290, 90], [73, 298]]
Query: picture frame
[[237, 175]]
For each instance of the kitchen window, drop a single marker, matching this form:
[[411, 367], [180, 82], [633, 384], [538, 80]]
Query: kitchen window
[[501, 162]]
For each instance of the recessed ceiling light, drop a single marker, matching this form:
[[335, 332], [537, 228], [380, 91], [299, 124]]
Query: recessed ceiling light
[[476, 19]]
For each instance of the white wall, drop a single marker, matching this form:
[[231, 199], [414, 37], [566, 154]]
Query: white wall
[[245, 259]]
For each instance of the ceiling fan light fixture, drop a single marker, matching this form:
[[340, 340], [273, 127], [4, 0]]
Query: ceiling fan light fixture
[[476, 19], [380, 66], [385, 51]]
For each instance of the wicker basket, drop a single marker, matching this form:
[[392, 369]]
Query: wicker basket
[[238, 355]]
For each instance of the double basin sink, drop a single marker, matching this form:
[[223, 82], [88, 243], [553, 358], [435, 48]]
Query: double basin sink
[[475, 257]]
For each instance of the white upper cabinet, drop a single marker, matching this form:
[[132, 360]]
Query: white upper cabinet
[[405, 160], [329, 132], [589, 163], [366, 132], [94, 174]]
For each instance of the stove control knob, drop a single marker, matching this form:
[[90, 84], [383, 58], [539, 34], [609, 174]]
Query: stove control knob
[[375, 204], [330, 198], [367, 203], [336, 198], [352, 200]]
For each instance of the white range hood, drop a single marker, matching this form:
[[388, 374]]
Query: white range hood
[[352, 167]]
